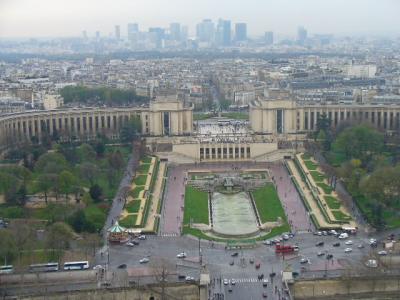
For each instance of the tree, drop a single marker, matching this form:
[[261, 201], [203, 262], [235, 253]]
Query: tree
[[8, 248], [115, 163], [88, 171], [323, 123], [51, 162], [78, 220], [86, 153], [100, 148], [359, 142], [8, 186], [66, 183], [131, 130], [58, 238], [45, 183], [96, 192]]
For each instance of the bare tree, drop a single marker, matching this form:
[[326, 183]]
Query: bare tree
[[162, 268]]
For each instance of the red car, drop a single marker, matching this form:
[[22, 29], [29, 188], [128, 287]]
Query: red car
[[258, 265]]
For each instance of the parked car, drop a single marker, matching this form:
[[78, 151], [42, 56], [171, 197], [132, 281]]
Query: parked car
[[189, 279], [181, 255], [122, 266], [142, 237], [320, 253], [130, 244], [144, 260], [382, 252], [336, 245], [233, 281], [226, 281]]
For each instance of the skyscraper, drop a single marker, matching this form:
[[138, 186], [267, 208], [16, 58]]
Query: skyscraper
[[175, 31], [269, 37], [84, 35], [301, 35], [133, 29], [240, 32], [97, 35], [223, 37], [117, 32], [205, 31]]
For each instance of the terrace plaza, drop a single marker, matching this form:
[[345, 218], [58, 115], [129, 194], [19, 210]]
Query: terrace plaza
[[275, 127]]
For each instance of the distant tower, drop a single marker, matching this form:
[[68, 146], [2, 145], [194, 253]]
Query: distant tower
[[97, 35], [301, 35], [133, 29], [175, 31], [117, 32], [84, 35], [269, 37], [240, 32]]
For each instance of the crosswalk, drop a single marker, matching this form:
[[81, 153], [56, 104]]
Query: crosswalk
[[246, 280], [169, 235]]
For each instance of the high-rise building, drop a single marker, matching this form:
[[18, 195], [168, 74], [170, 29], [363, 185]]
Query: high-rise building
[[175, 31], [84, 35], [117, 32], [205, 31], [223, 37], [240, 32], [301, 35], [97, 35], [184, 33], [157, 35], [133, 29], [269, 37]]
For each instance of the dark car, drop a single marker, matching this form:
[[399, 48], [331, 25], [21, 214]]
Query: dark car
[[336, 245], [235, 254], [272, 274], [295, 274], [181, 277], [135, 242], [123, 266], [329, 256], [319, 244]]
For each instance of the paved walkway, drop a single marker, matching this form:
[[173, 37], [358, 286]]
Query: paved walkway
[[295, 211], [118, 201]]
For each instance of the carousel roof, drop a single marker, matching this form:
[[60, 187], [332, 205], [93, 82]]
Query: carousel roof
[[116, 228]]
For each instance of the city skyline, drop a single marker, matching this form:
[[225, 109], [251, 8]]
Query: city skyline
[[27, 18]]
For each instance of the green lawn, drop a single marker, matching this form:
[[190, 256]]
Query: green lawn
[[199, 117], [146, 159], [143, 168], [332, 202], [135, 192], [340, 216], [128, 221], [311, 166], [236, 115], [196, 206], [133, 206], [140, 180], [268, 204], [326, 188], [317, 176], [11, 212]]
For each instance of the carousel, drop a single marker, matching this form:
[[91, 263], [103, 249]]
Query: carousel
[[117, 234]]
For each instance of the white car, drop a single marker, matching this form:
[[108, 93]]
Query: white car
[[383, 252], [360, 246], [189, 279], [349, 242], [226, 281], [285, 237], [181, 255], [144, 260], [130, 244], [304, 260], [141, 237], [267, 242], [233, 281], [343, 236], [372, 241], [348, 250], [265, 282]]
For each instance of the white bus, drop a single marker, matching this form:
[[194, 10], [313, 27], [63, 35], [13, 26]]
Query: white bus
[[76, 265], [48, 267], [6, 269]]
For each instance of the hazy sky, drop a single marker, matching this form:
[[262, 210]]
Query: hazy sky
[[43, 18]]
